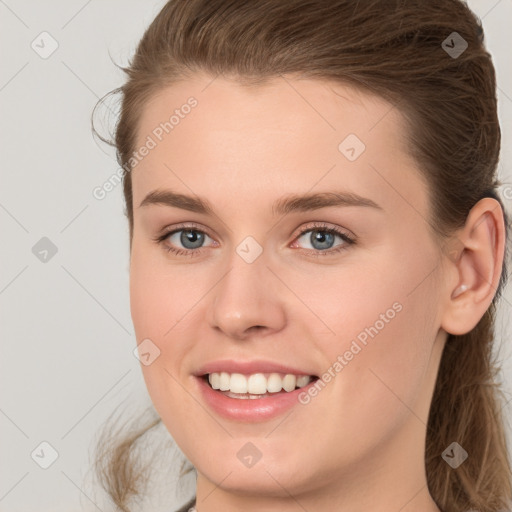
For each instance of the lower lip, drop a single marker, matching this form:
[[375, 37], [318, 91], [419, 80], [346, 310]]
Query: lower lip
[[250, 410]]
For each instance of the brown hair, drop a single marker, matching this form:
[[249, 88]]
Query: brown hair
[[392, 48]]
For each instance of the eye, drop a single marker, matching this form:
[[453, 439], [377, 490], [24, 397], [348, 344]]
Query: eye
[[188, 238], [321, 239], [184, 240]]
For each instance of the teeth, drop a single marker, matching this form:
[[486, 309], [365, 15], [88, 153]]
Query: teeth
[[257, 383], [224, 380], [289, 382], [274, 383], [238, 383], [214, 379], [303, 380]]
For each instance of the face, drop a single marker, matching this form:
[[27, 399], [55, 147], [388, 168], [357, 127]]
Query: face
[[344, 287]]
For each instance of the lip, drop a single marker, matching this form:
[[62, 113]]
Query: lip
[[249, 410], [249, 367]]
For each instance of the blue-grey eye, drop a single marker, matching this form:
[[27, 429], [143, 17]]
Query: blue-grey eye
[[320, 239], [188, 238]]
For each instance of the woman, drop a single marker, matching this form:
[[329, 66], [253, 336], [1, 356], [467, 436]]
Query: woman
[[317, 248]]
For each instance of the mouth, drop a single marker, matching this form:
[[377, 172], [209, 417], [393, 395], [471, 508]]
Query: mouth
[[257, 385]]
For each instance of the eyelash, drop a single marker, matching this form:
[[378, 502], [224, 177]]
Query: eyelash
[[310, 252]]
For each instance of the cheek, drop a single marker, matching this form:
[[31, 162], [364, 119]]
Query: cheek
[[377, 329], [159, 303], [161, 297]]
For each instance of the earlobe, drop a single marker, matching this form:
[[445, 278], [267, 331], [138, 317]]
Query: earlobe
[[478, 267]]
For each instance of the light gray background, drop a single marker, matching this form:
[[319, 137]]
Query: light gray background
[[67, 338]]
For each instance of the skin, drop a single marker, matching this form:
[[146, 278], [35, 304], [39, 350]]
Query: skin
[[359, 444]]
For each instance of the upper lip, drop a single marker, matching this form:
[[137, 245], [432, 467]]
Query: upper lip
[[249, 367]]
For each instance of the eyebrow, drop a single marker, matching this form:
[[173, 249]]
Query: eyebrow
[[282, 206]]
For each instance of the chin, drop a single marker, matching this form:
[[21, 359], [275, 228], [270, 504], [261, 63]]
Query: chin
[[261, 481]]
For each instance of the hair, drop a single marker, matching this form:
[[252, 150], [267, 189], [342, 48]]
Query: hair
[[393, 49]]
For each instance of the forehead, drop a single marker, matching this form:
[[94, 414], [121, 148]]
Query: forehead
[[286, 136]]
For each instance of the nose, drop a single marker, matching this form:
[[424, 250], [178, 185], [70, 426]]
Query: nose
[[247, 301]]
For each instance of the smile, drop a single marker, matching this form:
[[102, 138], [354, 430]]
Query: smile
[[254, 397], [256, 385]]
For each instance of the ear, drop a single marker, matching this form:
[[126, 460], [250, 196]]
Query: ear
[[474, 267]]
